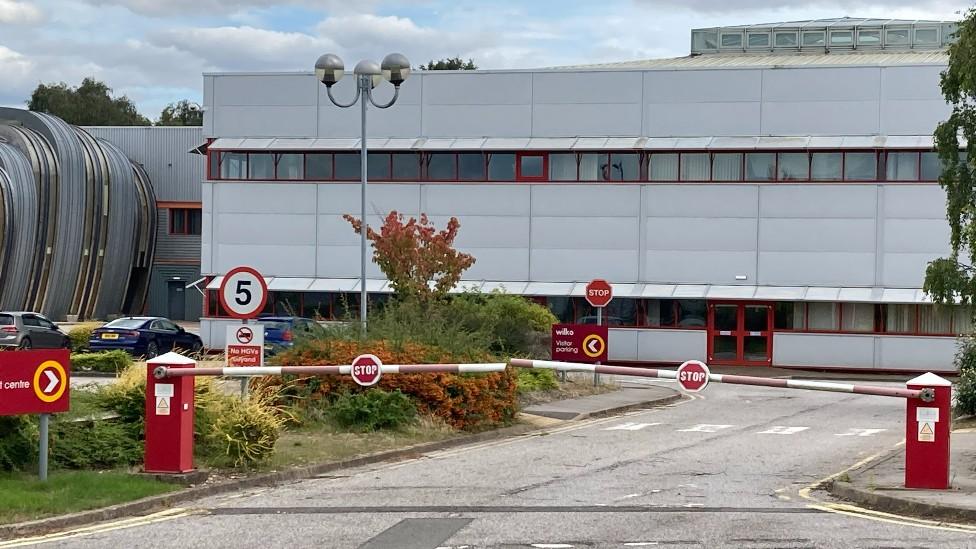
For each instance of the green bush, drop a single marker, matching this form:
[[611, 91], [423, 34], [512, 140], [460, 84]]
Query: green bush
[[530, 380], [99, 444], [373, 410], [80, 334], [18, 443], [245, 432], [109, 361], [965, 389]]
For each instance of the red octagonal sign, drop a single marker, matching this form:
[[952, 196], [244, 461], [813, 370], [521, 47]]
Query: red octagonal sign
[[693, 376], [599, 292], [366, 370]]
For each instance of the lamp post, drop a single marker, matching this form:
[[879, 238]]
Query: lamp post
[[329, 70]]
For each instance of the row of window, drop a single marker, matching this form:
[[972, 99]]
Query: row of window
[[582, 166], [667, 313], [898, 37]]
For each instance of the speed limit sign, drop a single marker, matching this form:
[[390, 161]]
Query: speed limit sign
[[243, 292]]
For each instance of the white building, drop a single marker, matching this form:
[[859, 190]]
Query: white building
[[770, 199]]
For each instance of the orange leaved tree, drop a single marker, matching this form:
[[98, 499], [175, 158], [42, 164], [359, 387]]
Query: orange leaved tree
[[418, 260]]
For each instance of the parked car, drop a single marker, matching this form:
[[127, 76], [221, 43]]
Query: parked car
[[24, 330], [280, 332], [148, 336]]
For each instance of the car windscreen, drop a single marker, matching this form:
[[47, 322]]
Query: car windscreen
[[6, 320], [129, 323]]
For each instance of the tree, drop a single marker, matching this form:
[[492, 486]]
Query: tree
[[182, 113], [449, 64], [415, 253], [949, 279], [90, 104]]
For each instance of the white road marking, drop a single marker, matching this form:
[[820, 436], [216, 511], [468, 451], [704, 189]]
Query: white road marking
[[641, 544], [860, 432], [782, 430], [705, 428], [630, 426], [552, 545]]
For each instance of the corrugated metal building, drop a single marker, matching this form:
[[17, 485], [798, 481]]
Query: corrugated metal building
[[175, 172]]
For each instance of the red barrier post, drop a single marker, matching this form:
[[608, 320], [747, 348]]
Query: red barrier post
[[169, 418], [927, 435]]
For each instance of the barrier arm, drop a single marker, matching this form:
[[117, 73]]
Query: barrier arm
[[163, 372]]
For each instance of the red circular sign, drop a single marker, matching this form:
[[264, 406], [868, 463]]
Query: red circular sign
[[366, 370], [693, 376], [243, 293], [244, 334], [599, 292]]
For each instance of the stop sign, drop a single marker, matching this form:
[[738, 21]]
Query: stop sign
[[599, 292], [693, 376], [366, 370]]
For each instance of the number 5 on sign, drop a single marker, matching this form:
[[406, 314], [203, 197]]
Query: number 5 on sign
[[243, 292]]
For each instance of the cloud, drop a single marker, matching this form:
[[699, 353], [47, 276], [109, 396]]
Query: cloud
[[845, 7], [245, 48], [178, 8], [19, 13]]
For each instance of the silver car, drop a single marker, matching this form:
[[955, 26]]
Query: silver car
[[30, 331]]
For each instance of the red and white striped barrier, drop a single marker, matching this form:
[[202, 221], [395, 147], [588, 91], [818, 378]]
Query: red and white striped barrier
[[162, 372], [923, 394]]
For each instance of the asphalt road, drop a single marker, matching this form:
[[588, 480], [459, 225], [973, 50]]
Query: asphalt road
[[722, 470]]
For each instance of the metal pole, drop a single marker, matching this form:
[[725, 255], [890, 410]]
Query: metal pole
[[364, 83], [599, 322], [244, 380], [42, 458]]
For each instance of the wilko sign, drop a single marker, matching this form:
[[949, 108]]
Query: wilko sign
[[245, 345], [693, 376], [34, 382], [366, 370], [579, 343]]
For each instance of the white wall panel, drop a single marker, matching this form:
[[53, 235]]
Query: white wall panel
[[702, 86], [701, 201], [397, 121], [818, 201], [596, 200], [587, 87], [333, 230], [852, 351], [816, 268], [569, 120], [911, 83], [819, 118], [281, 90], [575, 265], [273, 121], [498, 264], [917, 235], [280, 259], [338, 198], [462, 200], [484, 231], [672, 345], [915, 202], [265, 229], [343, 262], [817, 235], [705, 267], [701, 234], [607, 233], [905, 270], [246, 198], [477, 89], [715, 118], [623, 344], [472, 120], [912, 117], [917, 353]]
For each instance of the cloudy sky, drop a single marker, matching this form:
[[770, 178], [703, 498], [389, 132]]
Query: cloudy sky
[[154, 51]]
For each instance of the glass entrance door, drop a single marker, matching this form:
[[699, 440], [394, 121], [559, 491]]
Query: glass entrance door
[[740, 334]]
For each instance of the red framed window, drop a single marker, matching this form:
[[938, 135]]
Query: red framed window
[[186, 221], [532, 166]]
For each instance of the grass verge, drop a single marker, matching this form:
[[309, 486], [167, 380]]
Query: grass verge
[[23, 497], [577, 384]]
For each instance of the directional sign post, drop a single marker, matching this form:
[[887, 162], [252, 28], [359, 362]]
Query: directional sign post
[[693, 376], [35, 382], [599, 292], [366, 370]]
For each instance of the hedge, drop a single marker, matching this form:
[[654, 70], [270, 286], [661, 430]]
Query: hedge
[[109, 361], [465, 401]]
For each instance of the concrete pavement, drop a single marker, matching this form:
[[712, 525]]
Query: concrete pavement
[[733, 467]]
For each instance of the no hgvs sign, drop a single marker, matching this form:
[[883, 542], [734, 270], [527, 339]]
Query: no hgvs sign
[[599, 292], [693, 376], [366, 370]]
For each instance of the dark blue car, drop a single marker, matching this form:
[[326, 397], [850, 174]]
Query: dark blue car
[[280, 332], [144, 336]]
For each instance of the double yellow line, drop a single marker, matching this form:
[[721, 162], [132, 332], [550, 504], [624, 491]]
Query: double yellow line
[[169, 514]]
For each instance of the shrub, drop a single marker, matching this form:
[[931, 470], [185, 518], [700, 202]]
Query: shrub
[[109, 361], [18, 443], [966, 386], [100, 444], [530, 380], [464, 401], [80, 334], [245, 431], [373, 410]]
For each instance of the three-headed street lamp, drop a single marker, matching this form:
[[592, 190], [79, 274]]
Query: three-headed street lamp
[[329, 70]]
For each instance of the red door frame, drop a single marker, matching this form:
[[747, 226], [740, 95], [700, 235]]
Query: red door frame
[[740, 333]]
